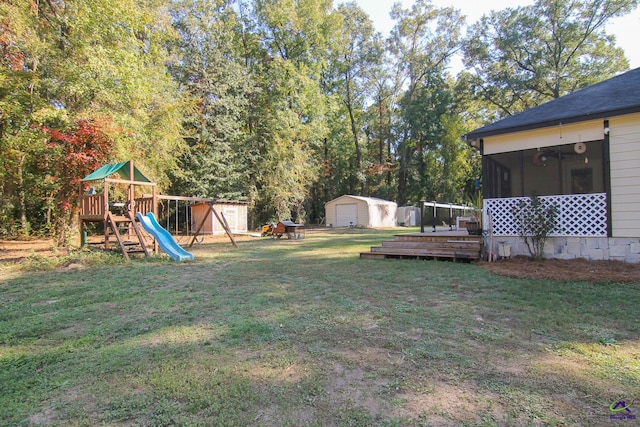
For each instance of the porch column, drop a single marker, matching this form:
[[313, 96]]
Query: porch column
[[483, 169], [606, 173]]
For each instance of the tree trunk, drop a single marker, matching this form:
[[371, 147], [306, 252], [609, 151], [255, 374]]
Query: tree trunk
[[24, 225], [380, 133], [403, 170], [354, 132]]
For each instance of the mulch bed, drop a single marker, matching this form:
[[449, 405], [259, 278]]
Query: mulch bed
[[574, 270]]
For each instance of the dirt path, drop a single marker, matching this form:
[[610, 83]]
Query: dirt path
[[17, 250]]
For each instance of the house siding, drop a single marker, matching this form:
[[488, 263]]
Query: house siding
[[547, 137], [330, 214], [624, 140], [383, 214]]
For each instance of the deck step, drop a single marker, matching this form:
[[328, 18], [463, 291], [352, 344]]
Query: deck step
[[435, 238], [423, 252], [428, 246], [372, 255], [383, 255]]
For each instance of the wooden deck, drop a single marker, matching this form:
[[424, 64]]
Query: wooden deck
[[453, 245]]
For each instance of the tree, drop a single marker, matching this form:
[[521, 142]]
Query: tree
[[354, 53], [20, 142], [422, 42], [73, 153], [290, 108], [522, 57], [440, 163], [218, 158], [83, 61]]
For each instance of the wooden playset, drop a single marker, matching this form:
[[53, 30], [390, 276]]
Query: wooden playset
[[128, 214]]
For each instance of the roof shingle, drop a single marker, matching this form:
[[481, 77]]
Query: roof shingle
[[615, 96]]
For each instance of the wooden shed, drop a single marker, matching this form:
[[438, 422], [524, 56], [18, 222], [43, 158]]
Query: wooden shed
[[234, 212], [359, 211]]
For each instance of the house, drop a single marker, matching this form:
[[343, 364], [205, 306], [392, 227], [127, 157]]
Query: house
[[235, 213], [358, 211], [581, 153]]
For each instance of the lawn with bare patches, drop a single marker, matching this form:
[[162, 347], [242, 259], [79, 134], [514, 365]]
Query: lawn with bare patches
[[302, 332]]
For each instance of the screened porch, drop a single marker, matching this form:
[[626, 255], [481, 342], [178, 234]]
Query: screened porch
[[570, 177]]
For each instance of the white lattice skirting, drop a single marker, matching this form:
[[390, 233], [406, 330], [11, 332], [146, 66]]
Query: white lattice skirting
[[579, 214]]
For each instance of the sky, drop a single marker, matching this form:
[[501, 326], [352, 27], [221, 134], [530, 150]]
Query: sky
[[626, 29]]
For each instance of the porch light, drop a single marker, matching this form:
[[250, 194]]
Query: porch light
[[606, 131]]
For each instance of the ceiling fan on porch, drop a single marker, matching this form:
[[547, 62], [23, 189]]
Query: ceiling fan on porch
[[541, 157]]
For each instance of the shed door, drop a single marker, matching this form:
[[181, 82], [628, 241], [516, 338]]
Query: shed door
[[346, 215], [231, 215]]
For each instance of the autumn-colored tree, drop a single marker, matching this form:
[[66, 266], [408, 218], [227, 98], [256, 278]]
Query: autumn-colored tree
[[72, 154]]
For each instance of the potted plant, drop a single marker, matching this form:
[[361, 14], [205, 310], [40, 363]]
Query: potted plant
[[474, 225]]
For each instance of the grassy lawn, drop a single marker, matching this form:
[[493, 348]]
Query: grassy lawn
[[303, 333]]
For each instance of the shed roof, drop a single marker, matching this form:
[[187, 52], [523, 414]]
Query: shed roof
[[121, 169], [616, 96], [368, 200]]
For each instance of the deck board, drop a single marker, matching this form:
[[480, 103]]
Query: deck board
[[444, 245]]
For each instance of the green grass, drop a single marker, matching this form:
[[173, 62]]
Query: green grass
[[303, 333]]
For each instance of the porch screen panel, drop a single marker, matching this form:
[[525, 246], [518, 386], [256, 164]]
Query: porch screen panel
[[497, 178]]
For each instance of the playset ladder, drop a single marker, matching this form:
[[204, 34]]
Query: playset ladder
[[112, 221]]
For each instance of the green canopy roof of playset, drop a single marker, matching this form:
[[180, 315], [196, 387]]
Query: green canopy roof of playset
[[121, 169]]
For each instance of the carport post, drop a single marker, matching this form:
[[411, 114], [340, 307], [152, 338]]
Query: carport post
[[435, 219], [422, 202]]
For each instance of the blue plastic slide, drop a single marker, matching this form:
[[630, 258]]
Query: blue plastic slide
[[163, 237]]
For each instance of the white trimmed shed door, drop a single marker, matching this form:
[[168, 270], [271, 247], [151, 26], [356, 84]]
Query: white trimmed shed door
[[346, 214], [231, 215]]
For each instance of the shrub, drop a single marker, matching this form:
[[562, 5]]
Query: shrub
[[537, 221]]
